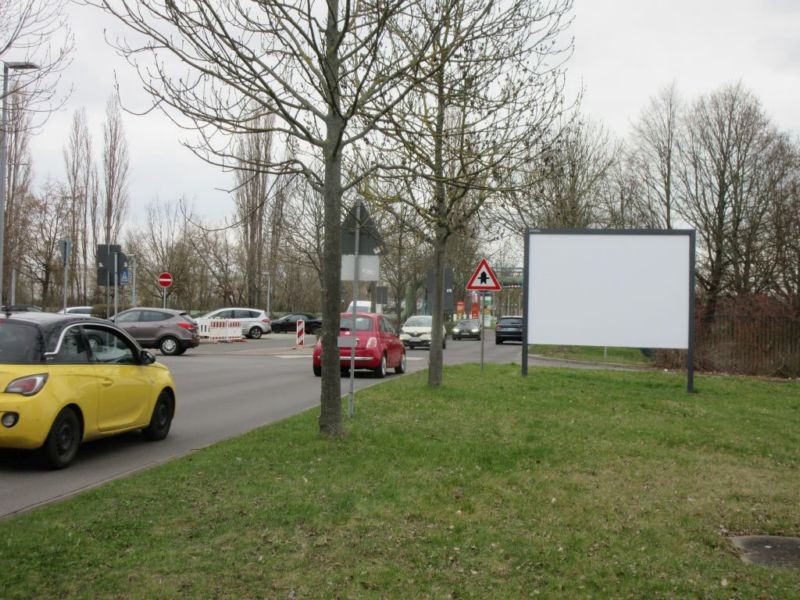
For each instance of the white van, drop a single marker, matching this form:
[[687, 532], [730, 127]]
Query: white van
[[361, 306]]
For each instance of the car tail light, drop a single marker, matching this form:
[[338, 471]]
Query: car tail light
[[372, 342], [266, 320], [189, 326], [27, 386]]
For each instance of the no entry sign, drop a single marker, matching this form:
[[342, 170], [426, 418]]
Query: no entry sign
[[165, 280]]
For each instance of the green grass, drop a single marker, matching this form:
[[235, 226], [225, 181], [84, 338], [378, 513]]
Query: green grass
[[564, 484], [596, 354]]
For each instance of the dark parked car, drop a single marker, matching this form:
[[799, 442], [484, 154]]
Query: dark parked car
[[508, 328], [467, 328], [22, 308], [288, 323], [171, 331]]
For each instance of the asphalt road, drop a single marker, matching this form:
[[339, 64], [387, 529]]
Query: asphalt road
[[224, 390]]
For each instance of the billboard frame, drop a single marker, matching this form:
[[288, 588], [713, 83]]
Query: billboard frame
[[688, 233]]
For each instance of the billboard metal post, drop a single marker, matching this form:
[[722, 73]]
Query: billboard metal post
[[690, 352], [526, 312]]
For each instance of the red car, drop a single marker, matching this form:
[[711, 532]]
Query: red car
[[378, 346]]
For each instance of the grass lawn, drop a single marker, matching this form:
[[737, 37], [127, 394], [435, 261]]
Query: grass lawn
[[566, 484], [596, 354]]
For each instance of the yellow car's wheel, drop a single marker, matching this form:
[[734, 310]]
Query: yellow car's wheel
[[161, 420], [62, 442]]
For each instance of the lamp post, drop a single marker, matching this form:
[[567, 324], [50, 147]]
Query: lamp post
[[8, 66]]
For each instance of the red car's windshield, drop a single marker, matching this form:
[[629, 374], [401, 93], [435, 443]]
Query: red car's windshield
[[361, 324]]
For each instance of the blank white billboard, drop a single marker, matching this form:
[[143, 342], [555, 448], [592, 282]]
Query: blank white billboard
[[619, 289]]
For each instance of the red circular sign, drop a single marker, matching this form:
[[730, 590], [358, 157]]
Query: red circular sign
[[165, 279]]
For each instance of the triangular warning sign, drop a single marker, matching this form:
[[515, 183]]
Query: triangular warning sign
[[484, 279]]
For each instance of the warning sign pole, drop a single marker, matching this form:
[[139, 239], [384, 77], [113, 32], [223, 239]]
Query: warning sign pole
[[483, 336], [483, 280]]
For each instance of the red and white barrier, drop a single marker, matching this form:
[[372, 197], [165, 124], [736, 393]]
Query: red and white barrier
[[301, 334], [220, 330]]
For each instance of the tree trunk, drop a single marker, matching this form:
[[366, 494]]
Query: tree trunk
[[435, 367], [435, 358], [330, 417]]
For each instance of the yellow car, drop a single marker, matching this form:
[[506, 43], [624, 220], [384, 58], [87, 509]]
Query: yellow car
[[67, 379]]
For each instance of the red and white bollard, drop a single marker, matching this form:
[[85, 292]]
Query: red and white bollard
[[301, 334]]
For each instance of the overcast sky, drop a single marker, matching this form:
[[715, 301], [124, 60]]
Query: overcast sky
[[625, 52]]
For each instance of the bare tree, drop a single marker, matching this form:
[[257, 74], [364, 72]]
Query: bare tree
[[252, 198], [725, 187], [574, 171], [49, 211], [785, 227], [656, 138], [495, 90], [304, 240], [171, 241], [19, 177], [81, 190], [323, 69], [404, 256], [115, 172], [36, 32], [623, 195]]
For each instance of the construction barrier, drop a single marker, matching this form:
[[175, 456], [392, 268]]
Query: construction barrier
[[301, 334], [220, 330]]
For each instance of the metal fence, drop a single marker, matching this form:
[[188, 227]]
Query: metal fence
[[761, 345]]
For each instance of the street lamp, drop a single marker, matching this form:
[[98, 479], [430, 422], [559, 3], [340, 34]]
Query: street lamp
[[7, 66]]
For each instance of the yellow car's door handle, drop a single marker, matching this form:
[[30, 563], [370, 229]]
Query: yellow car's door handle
[[107, 382]]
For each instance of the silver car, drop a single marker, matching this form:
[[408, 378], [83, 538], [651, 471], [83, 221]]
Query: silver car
[[255, 322], [171, 331]]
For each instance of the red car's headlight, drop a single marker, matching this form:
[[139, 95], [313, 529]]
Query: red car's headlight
[[27, 386]]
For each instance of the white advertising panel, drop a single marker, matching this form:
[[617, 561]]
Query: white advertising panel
[[369, 267], [619, 290]]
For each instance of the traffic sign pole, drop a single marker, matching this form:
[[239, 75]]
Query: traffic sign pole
[[480, 320], [483, 280], [165, 280], [116, 282]]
